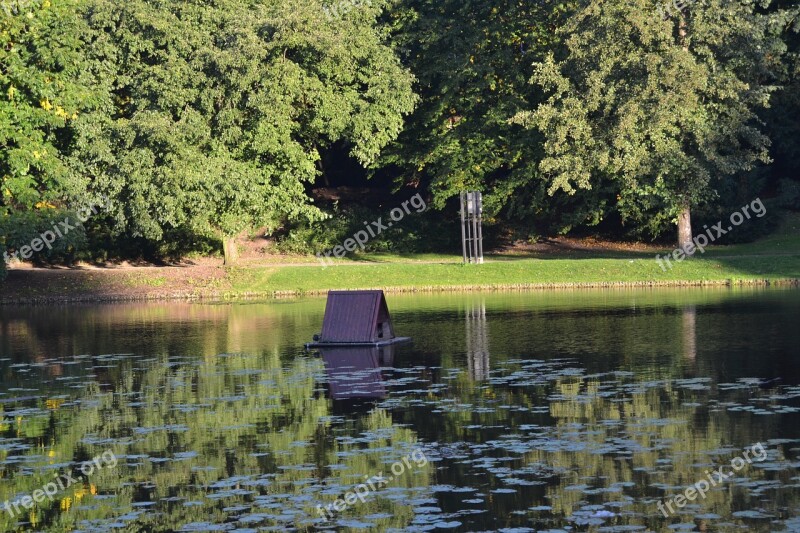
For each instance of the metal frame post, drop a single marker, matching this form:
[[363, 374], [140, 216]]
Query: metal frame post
[[471, 226], [479, 223], [463, 235]]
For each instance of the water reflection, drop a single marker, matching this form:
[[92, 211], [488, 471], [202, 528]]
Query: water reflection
[[595, 407], [201, 442], [690, 333], [477, 341], [355, 372]]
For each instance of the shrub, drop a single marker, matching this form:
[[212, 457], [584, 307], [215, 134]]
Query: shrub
[[417, 232], [58, 234], [789, 194], [751, 229]]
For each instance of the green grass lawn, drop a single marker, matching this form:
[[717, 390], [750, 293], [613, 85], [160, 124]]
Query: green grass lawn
[[511, 273], [774, 258]]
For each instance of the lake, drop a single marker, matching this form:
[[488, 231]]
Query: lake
[[535, 411]]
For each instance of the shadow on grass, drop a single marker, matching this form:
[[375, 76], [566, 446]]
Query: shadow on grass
[[46, 285]]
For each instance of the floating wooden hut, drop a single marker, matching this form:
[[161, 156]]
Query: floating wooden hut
[[356, 318]]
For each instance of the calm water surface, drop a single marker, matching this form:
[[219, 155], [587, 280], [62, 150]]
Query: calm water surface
[[543, 411]]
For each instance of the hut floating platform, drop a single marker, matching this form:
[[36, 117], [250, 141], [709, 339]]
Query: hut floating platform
[[356, 318]]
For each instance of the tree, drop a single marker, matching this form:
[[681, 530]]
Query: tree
[[473, 59], [660, 102], [44, 86], [222, 109], [783, 118]]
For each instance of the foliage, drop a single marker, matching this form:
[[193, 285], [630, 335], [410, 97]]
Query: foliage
[[221, 109], [781, 118], [45, 85], [21, 229], [789, 194], [204, 120], [473, 60], [665, 107], [419, 233]]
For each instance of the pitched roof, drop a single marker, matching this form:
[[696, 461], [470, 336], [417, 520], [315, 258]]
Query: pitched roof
[[356, 316]]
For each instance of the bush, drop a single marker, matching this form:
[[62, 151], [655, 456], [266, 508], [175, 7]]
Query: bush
[[416, 233], [58, 234], [751, 229], [104, 244], [789, 194]]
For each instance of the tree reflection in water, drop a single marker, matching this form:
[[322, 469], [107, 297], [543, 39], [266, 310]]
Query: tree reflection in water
[[593, 407]]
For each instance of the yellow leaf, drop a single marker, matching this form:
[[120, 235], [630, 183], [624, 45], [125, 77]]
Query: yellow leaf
[[46, 105]]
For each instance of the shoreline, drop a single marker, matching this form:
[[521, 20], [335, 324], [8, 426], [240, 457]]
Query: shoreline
[[234, 296]]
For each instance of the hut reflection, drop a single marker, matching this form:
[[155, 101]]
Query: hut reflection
[[355, 372]]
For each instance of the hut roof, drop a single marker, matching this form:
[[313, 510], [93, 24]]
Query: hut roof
[[356, 317]]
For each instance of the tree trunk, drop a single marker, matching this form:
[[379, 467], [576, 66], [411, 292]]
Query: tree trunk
[[685, 218], [685, 231], [230, 251]]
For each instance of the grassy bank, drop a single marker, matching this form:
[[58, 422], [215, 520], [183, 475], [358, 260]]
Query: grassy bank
[[518, 273], [774, 260], [771, 260]]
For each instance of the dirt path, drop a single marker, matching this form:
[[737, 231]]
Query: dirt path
[[114, 283]]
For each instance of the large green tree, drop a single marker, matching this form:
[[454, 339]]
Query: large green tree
[[473, 59], [46, 83], [44, 86], [659, 100], [783, 118], [222, 109]]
